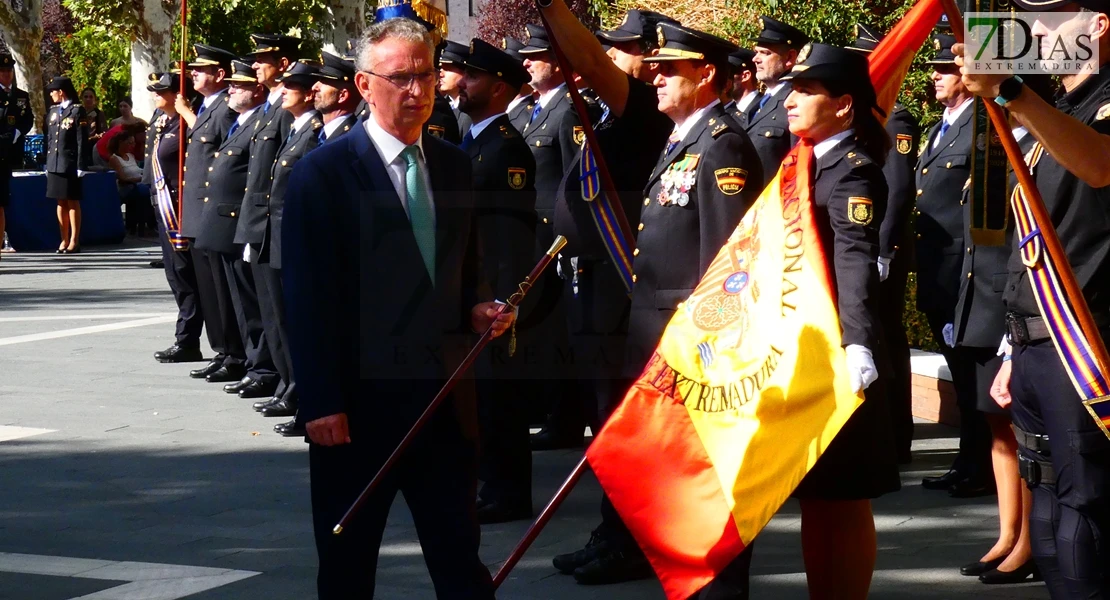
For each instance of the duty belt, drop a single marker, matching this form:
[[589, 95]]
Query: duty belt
[[1035, 471], [1024, 330]]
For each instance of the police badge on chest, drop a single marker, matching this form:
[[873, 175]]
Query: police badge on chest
[[677, 181]]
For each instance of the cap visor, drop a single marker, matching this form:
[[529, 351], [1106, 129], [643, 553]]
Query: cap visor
[[1039, 5], [533, 50], [618, 35], [949, 61]]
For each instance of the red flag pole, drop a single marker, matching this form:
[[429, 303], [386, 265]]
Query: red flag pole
[[181, 119], [1052, 243], [510, 304], [540, 522]]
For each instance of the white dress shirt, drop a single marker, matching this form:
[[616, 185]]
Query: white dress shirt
[[208, 100], [688, 124], [301, 120], [746, 101], [822, 148], [951, 115], [389, 149], [332, 126], [275, 97], [515, 103], [549, 94], [478, 128], [774, 89]]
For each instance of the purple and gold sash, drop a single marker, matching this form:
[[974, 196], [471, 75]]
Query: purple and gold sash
[[167, 208]]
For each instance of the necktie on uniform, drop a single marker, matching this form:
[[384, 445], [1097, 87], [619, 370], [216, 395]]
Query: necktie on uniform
[[201, 111], [420, 208], [943, 130], [467, 141], [672, 142], [266, 107], [763, 100], [535, 113], [322, 136], [292, 132], [234, 126]]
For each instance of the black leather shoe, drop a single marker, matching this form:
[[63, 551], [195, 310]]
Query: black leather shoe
[[281, 408], [177, 354], [972, 488], [257, 389], [614, 567], [226, 373], [496, 512], [547, 439], [567, 563], [290, 429], [257, 406], [157, 264], [213, 366], [977, 568], [233, 388], [943, 482], [1019, 575]]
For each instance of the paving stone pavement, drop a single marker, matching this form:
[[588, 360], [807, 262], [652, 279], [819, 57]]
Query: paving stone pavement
[[109, 456]]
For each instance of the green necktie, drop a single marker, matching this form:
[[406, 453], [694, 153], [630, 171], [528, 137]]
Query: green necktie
[[420, 209]]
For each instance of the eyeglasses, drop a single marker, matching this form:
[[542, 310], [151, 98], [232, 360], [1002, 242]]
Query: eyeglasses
[[405, 80]]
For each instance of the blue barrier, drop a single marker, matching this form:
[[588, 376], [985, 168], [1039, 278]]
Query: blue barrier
[[32, 218]]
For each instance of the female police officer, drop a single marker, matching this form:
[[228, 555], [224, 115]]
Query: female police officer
[[832, 108]]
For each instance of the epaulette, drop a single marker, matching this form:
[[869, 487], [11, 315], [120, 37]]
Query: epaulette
[[857, 160], [718, 127], [316, 124], [508, 132]]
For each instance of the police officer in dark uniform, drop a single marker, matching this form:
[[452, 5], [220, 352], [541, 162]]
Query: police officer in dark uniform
[[776, 51], [1065, 454], [163, 133], [16, 120], [351, 56], [504, 174], [942, 170], [208, 128], [895, 256], [227, 178], [452, 60], [304, 135], [273, 55], [701, 184], [745, 93], [520, 109], [554, 134], [598, 301], [66, 135], [336, 97]]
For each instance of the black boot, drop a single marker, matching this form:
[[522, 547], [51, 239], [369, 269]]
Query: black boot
[[614, 566]]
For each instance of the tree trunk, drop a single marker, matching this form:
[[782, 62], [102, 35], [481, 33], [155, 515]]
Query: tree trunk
[[150, 52], [21, 28], [348, 19]]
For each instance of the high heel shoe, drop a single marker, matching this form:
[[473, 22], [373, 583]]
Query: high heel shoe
[[979, 567], [1018, 575], [73, 250]]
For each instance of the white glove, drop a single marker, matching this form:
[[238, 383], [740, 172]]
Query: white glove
[[949, 334], [861, 367], [884, 268]]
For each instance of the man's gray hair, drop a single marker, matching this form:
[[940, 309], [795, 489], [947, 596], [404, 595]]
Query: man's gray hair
[[391, 29]]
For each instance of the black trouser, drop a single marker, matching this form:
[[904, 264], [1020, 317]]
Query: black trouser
[[436, 475], [900, 388], [271, 304], [216, 307], [182, 277], [974, 456], [1070, 523], [505, 464], [244, 300]]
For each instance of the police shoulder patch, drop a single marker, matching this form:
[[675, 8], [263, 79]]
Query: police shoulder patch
[[902, 143], [719, 129], [517, 177], [1103, 113], [860, 210], [731, 180], [579, 135]]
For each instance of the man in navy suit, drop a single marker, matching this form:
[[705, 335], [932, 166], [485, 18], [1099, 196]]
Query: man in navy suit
[[382, 296]]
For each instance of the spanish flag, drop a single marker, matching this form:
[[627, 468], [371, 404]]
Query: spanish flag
[[748, 385]]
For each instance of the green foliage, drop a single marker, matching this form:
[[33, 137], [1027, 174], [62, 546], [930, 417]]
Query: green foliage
[[101, 61], [229, 23], [917, 327]]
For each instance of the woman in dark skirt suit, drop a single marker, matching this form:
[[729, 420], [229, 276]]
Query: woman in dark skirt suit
[[66, 134], [832, 107]]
